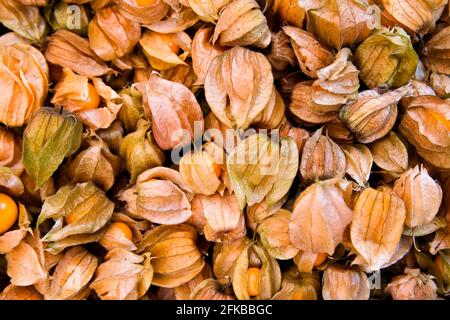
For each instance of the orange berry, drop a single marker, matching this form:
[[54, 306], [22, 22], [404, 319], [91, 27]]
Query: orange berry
[[253, 281], [123, 228], [321, 257], [169, 41], [8, 212], [146, 3], [217, 169], [93, 100]]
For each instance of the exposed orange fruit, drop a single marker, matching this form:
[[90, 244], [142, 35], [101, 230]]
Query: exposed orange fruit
[[8, 212], [321, 257], [93, 100], [146, 3], [253, 281], [169, 41], [123, 228]]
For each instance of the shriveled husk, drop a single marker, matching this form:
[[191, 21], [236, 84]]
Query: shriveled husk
[[210, 289], [123, 276], [358, 163], [436, 52], [412, 285], [139, 150], [132, 109], [143, 14], [176, 259], [281, 54], [321, 159], [225, 256], [11, 155], [297, 286]]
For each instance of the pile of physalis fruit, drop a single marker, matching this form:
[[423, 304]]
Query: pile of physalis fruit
[[229, 149]]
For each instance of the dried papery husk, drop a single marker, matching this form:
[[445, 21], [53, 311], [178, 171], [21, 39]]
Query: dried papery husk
[[390, 154], [147, 14], [320, 211], [345, 284], [112, 136], [140, 151], [25, 263], [311, 54], [162, 196], [272, 116], [261, 169], [47, 140], [281, 54], [86, 204], [203, 53], [201, 171], [183, 74], [60, 16], [12, 292], [176, 21], [123, 276], [386, 58], [10, 183], [85, 166], [176, 259], [256, 213], [274, 234], [321, 159], [440, 84], [307, 261], [225, 256], [208, 10], [254, 255], [372, 115], [223, 219], [436, 51], [337, 131], [72, 274], [73, 90], [23, 19], [175, 113], [111, 35], [241, 23], [11, 155], [220, 134], [426, 125], [12, 238], [412, 285], [184, 291], [69, 50], [10, 38], [377, 226], [115, 238], [132, 109], [339, 23], [210, 289], [237, 97], [299, 135], [298, 287], [24, 78], [156, 47], [359, 162], [417, 17], [421, 194]]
